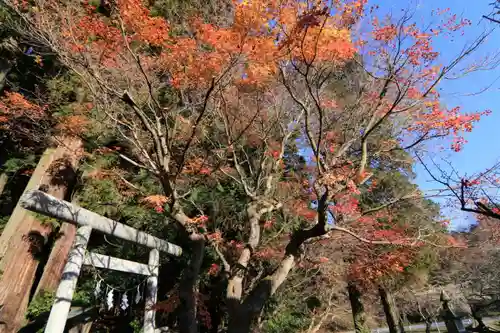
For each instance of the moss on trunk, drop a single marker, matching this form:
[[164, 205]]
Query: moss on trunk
[[358, 310]]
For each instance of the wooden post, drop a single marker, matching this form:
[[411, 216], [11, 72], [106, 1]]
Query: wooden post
[[64, 294], [151, 292]]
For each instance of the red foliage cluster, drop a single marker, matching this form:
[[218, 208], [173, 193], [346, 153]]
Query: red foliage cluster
[[269, 252], [138, 21], [447, 121], [385, 33], [173, 301], [214, 269], [301, 208], [95, 36], [13, 105], [369, 267], [169, 305]]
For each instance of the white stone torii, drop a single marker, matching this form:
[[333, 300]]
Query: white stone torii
[[43, 203]]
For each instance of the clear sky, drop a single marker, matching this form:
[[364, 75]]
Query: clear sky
[[482, 149]]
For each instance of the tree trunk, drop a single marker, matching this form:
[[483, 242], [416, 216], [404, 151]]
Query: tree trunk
[[428, 325], [401, 324], [19, 213], [66, 233], [390, 310], [3, 181], [358, 310], [475, 313], [188, 287], [243, 314], [24, 236], [240, 321], [18, 261], [481, 326]]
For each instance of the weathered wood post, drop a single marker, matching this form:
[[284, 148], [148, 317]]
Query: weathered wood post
[[453, 323], [151, 292], [71, 271]]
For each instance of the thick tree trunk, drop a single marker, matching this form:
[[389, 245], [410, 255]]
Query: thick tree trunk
[[390, 310], [3, 181], [24, 237], [243, 314], [18, 260], [428, 325], [401, 324], [188, 287], [481, 326], [358, 310], [241, 321], [66, 233], [19, 213]]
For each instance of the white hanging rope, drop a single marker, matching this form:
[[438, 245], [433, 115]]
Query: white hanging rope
[[110, 290]]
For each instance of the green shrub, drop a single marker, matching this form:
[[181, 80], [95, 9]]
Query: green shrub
[[40, 304], [286, 322]]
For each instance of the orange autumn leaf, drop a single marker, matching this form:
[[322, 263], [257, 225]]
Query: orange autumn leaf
[[157, 202], [14, 105], [250, 45], [73, 125]]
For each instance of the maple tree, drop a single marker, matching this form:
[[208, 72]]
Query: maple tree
[[22, 119], [216, 103], [387, 268], [477, 193]]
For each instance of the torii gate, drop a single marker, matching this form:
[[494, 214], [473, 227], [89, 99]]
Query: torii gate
[[43, 203]]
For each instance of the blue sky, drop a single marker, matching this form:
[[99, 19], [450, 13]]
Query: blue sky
[[481, 150]]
